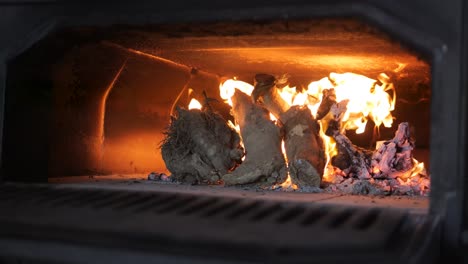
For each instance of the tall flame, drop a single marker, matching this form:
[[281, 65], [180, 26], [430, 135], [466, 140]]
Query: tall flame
[[367, 99], [287, 184]]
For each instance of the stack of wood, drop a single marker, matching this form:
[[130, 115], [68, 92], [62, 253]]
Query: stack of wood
[[200, 146], [305, 150]]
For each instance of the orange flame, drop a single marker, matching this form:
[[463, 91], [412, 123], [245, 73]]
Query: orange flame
[[418, 168], [367, 99], [287, 184], [228, 88]]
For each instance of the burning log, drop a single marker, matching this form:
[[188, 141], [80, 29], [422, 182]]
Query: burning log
[[304, 147], [328, 100], [305, 150], [200, 147], [262, 141], [394, 158], [351, 159], [265, 91]]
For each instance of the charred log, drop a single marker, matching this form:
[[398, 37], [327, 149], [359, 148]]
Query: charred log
[[200, 147], [262, 140], [351, 159], [394, 158], [304, 147]]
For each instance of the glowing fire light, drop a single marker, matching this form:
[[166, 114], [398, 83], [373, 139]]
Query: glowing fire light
[[194, 104], [367, 99], [330, 151], [418, 168], [287, 184], [228, 88]]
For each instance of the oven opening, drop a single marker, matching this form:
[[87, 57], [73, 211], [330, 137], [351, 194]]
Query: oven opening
[[324, 108]]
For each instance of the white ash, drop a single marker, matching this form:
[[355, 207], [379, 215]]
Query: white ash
[[290, 188], [417, 185]]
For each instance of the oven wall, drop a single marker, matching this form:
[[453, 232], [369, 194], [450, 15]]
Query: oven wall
[[433, 27]]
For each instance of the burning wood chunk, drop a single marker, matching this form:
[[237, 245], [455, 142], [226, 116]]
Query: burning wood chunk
[[351, 159], [265, 90], [305, 150], [200, 147], [328, 100], [262, 141], [394, 158]]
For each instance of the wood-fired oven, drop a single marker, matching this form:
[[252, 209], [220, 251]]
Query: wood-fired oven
[[241, 131]]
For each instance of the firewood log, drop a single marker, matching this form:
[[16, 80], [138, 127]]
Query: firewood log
[[264, 160], [200, 147], [304, 147]]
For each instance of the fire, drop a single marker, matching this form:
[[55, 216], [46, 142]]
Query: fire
[[330, 151], [287, 184], [418, 168], [368, 99], [228, 88], [194, 104]]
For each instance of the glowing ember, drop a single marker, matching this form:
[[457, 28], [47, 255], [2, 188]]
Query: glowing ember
[[194, 104]]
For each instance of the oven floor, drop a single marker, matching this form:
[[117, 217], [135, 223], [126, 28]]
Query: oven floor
[[415, 204]]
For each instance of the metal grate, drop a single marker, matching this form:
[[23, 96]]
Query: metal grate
[[193, 224]]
